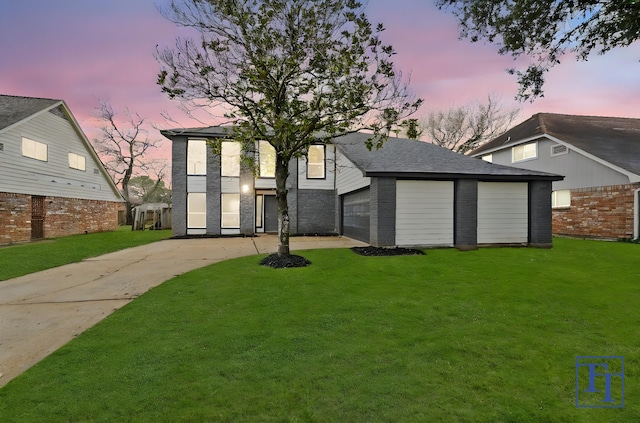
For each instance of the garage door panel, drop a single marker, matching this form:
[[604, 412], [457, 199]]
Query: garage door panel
[[356, 215], [424, 213], [503, 212]]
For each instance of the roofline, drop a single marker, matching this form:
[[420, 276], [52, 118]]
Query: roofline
[[510, 144], [33, 115], [453, 176]]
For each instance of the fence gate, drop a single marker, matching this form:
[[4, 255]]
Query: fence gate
[[37, 217]]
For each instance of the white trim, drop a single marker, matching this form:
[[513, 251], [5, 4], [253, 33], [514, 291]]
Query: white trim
[[510, 145]]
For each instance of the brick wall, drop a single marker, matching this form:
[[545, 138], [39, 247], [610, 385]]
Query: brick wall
[[15, 217], [64, 216], [600, 212]]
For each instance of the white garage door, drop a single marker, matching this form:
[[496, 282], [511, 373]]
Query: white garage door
[[503, 212], [424, 213]]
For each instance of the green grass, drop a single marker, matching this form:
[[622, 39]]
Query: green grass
[[22, 259], [481, 336]]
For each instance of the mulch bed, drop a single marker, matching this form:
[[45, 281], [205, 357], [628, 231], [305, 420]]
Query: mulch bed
[[382, 251], [282, 262]]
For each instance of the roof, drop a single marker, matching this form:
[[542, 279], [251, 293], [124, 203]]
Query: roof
[[209, 131], [400, 157], [612, 139], [14, 109]]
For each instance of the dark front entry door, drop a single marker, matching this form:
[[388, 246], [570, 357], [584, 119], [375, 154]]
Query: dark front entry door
[[37, 217], [270, 213]]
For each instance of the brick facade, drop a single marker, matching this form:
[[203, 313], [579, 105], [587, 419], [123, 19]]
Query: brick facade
[[599, 212], [64, 216]]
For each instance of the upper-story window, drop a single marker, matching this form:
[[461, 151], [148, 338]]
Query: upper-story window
[[230, 158], [488, 158], [315, 162], [196, 157], [34, 149], [77, 161], [267, 156], [524, 152]]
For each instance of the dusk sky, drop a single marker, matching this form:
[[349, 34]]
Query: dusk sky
[[83, 51]]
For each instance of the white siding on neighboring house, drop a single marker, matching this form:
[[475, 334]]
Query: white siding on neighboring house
[[329, 180], [503, 212], [424, 213], [348, 176], [53, 177]]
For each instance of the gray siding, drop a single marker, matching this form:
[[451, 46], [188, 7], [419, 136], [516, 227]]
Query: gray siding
[[579, 171], [24, 175], [348, 176]]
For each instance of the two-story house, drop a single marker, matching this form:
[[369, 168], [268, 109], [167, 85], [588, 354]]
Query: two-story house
[[52, 183], [408, 193], [600, 158]]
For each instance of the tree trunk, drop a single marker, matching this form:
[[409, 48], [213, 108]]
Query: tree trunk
[[282, 173]]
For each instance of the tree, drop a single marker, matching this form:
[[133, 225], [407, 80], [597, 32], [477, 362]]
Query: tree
[[546, 29], [143, 189], [289, 72], [122, 148], [465, 128]]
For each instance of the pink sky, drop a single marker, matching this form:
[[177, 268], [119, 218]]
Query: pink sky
[[83, 51]]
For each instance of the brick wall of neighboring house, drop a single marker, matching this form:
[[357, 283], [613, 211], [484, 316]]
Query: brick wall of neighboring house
[[15, 217], [64, 216], [600, 212]]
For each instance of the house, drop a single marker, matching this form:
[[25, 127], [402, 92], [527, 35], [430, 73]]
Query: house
[[408, 193], [600, 158], [52, 183]]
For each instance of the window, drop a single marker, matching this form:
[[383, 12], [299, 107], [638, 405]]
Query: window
[[196, 210], [76, 161], [561, 198], [315, 162], [524, 152], [267, 160], [230, 211], [558, 150], [230, 159], [34, 149], [488, 158], [196, 157], [259, 200]]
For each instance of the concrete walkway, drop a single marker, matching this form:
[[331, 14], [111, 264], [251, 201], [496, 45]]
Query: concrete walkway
[[42, 311]]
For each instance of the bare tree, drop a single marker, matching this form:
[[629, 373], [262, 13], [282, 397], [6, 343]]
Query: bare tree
[[122, 148], [465, 128], [289, 72]]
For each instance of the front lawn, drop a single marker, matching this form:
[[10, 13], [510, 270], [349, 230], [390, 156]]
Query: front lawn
[[483, 336], [21, 259]]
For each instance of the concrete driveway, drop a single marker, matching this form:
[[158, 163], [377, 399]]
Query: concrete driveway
[[42, 311]]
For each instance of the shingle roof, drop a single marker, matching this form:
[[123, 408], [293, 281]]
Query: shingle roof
[[209, 131], [408, 158], [13, 109], [612, 139]]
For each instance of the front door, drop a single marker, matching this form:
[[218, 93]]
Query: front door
[[270, 213], [37, 217]]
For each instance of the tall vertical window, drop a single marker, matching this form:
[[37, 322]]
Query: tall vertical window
[[196, 210], [34, 149], [230, 158], [315, 162], [76, 161], [524, 152], [267, 160], [196, 157], [561, 198], [230, 211], [259, 199]]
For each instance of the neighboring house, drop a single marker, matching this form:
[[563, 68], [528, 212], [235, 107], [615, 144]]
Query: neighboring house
[[408, 193], [52, 183], [600, 158]]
